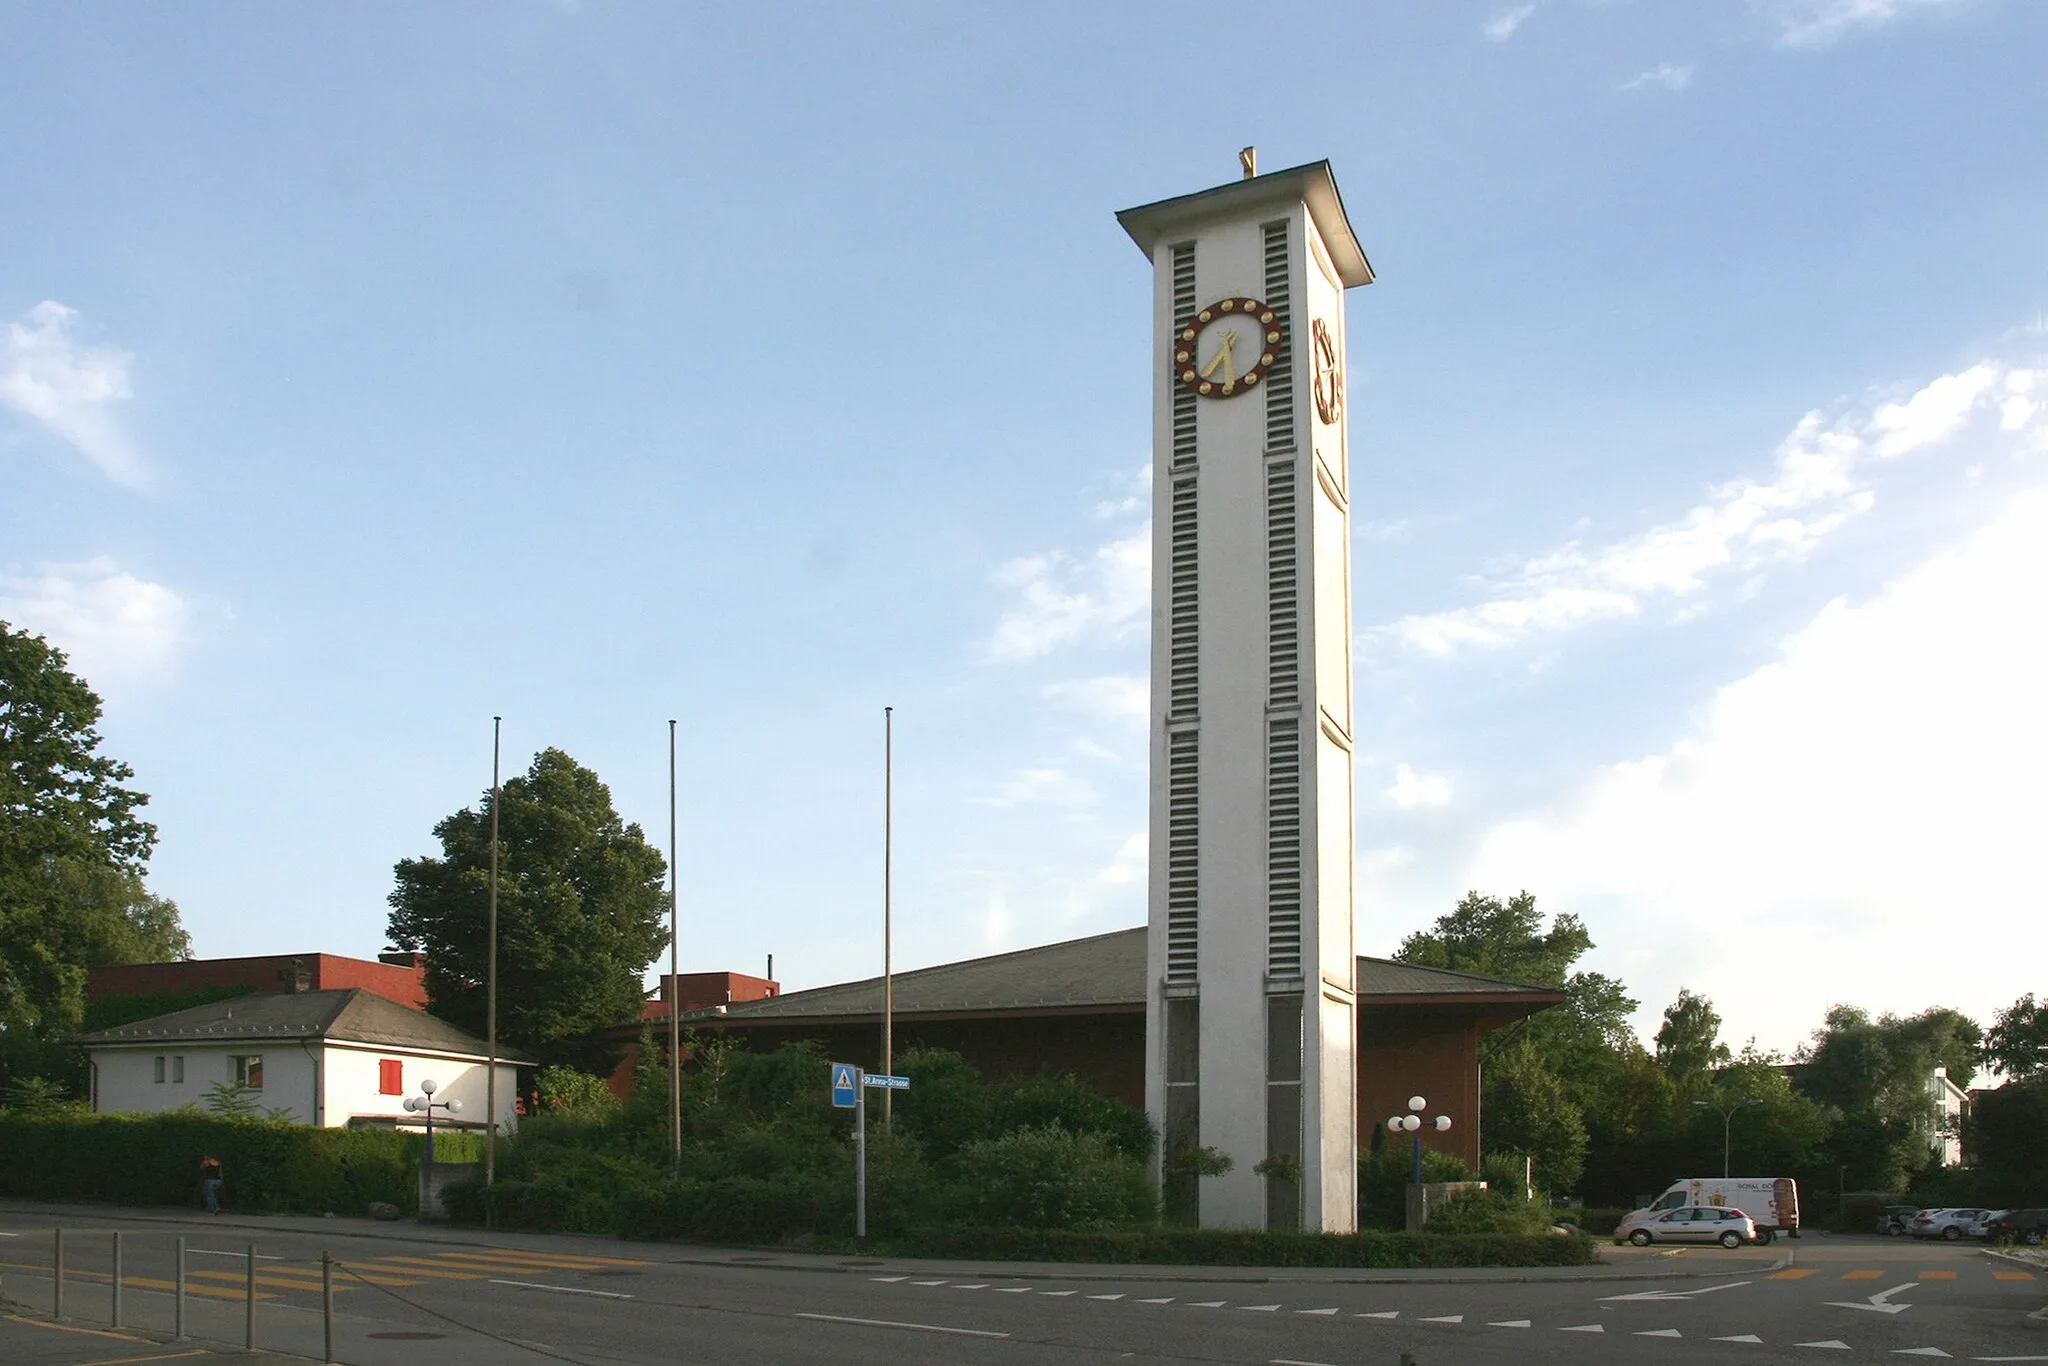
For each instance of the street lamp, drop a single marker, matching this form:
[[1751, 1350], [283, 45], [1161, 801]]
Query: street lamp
[[1412, 1123], [426, 1105], [1727, 1118]]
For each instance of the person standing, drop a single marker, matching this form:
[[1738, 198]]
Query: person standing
[[209, 1182]]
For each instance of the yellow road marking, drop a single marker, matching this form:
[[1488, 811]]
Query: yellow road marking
[[1797, 1273], [213, 1291], [1937, 1275], [410, 1266], [2012, 1275], [1861, 1275], [498, 1263], [568, 1258], [67, 1328]]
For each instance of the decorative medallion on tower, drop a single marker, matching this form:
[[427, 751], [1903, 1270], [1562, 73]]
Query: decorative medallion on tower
[[1329, 385], [1228, 347]]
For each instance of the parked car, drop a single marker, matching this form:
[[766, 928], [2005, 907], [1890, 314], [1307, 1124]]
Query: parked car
[[1897, 1220], [1690, 1224], [1981, 1228], [1771, 1201], [1949, 1224], [2027, 1226]]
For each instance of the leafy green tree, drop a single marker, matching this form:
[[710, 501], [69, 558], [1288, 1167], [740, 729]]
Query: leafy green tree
[[72, 851], [2017, 1043], [1689, 1041], [1876, 1075], [1528, 1111], [580, 914]]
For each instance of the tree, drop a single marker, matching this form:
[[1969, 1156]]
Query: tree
[[2017, 1044], [72, 851], [1527, 1111], [1877, 1075], [580, 914], [1689, 1041]]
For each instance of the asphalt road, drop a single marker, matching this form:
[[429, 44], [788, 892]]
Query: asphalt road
[[406, 1294]]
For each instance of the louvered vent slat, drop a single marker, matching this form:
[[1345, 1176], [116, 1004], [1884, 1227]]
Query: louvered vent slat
[[1280, 377], [1183, 397], [1183, 839], [1283, 846]]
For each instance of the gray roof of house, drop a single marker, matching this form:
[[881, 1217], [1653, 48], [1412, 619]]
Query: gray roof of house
[[1102, 970], [354, 1015]]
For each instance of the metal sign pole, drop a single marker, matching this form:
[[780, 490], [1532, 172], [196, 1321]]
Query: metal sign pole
[[860, 1159], [178, 1293], [115, 1317]]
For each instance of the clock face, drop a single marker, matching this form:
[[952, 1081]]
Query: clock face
[[1227, 348], [1329, 386]]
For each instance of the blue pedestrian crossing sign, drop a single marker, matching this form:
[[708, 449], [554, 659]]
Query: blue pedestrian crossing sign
[[845, 1085]]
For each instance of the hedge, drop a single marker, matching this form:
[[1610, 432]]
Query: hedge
[[268, 1166], [1246, 1247]]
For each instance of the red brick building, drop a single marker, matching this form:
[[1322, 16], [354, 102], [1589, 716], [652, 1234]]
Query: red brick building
[[1079, 1007], [400, 977]]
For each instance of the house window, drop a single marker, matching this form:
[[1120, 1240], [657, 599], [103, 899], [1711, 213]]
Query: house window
[[248, 1069], [157, 1071], [178, 1068], [390, 1077]]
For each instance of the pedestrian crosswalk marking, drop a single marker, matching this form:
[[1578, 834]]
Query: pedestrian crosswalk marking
[[2012, 1275], [1862, 1275], [1797, 1273], [1937, 1275], [564, 1259], [210, 1291], [414, 1266]]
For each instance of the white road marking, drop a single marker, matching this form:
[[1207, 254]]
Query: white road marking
[[1383, 1314], [982, 1286], [888, 1280], [1742, 1337], [1315, 1311], [2041, 1358], [1585, 1328], [1260, 1308], [1288, 1361], [1014, 1290], [1057, 1293], [1165, 1299], [1208, 1304], [9, 1235], [1919, 1352], [1510, 1323], [927, 1282], [1673, 1294], [1446, 1318], [1660, 1333], [1876, 1303], [1836, 1343], [912, 1327], [565, 1290], [238, 1256], [1117, 1296]]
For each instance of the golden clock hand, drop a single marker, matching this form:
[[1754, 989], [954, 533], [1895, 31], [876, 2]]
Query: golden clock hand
[[1222, 357]]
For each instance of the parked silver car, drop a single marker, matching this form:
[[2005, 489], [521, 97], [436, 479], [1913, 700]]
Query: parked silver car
[[1950, 1224], [1688, 1224]]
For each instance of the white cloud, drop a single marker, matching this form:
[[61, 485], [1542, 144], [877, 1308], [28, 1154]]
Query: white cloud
[[72, 389], [1042, 787], [1102, 598], [1127, 867], [1412, 790], [1503, 24], [1822, 23], [1664, 76], [1868, 802], [1110, 697], [1136, 496], [119, 632], [1819, 483]]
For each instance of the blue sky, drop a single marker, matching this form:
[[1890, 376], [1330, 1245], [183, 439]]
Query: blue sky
[[365, 374]]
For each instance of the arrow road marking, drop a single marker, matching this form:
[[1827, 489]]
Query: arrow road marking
[[1117, 1296], [1382, 1314], [1510, 1323], [1446, 1318], [1165, 1299], [1919, 1352], [1835, 1343], [1876, 1303], [1660, 1333], [1675, 1294], [1315, 1311], [1585, 1328], [1741, 1337]]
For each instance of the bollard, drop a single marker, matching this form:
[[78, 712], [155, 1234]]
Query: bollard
[[57, 1265], [249, 1312], [114, 1318], [327, 1303], [178, 1295]]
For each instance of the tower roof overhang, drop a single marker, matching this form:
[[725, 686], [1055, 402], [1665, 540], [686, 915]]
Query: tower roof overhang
[[1313, 184]]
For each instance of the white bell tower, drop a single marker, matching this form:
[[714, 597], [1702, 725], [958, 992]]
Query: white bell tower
[[1250, 1019]]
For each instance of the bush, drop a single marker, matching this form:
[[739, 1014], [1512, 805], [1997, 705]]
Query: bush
[[1052, 1177], [576, 1095], [269, 1165], [1488, 1211], [1598, 1222], [1383, 1182]]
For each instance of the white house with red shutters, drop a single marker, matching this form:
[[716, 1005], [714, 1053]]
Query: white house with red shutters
[[339, 1059]]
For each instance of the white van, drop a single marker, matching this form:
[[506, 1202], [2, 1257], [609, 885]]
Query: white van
[[1772, 1202]]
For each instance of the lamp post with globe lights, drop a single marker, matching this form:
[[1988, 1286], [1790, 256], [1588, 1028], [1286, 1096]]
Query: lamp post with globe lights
[[1412, 1122], [426, 1105]]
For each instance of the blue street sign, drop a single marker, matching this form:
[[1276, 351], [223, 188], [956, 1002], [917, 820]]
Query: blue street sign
[[845, 1085], [886, 1083]]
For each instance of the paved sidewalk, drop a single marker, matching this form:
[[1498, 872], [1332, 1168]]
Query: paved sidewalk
[[1618, 1263]]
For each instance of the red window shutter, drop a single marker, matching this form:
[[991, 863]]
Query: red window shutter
[[390, 1077]]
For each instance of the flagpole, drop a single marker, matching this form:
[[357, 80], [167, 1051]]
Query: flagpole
[[888, 879], [491, 979], [675, 986]]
